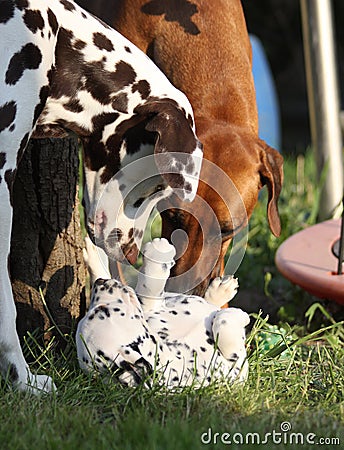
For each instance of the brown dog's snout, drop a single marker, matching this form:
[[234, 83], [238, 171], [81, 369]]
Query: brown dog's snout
[[130, 252], [199, 256]]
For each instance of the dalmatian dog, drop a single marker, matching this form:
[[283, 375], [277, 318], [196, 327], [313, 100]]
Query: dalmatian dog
[[64, 71], [180, 339]]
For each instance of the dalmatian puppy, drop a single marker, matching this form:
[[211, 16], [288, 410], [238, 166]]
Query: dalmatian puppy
[[180, 339], [64, 71]]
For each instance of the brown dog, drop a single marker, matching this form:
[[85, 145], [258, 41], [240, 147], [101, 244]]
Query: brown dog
[[203, 48]]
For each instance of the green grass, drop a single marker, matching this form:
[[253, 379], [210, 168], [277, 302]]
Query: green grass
[[303, 386], [258, 274], [296, 372]]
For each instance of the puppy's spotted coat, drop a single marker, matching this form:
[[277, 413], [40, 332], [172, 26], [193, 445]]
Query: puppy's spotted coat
[[62, 71], [184, 339]]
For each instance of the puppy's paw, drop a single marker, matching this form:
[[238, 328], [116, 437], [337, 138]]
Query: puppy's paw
[[96, 261], [221, 290], [159, 250]]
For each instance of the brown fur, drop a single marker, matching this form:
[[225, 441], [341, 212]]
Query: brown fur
[[203, 48]]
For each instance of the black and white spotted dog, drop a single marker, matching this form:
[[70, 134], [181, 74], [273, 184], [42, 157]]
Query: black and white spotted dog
[[61, 71], [182, 339]]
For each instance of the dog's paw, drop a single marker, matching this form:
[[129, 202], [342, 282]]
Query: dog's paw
[[90, 253], [221, 290], [233, 318], [159, 250], [96, 261], [38, 384]]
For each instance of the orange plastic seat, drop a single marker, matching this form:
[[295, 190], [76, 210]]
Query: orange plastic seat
[[306, 259]]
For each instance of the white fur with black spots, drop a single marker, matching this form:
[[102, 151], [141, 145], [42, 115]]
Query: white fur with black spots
[[183, 339], [61, 71]]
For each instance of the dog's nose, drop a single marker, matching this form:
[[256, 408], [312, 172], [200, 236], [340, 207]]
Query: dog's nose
[[114, 237], [131, 253]]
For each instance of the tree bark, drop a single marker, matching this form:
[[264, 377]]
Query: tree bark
[[46, 245]]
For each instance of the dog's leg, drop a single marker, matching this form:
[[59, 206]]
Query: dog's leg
[[229, 334], [221, 290], [96, 261], [12, 362], [157, 261]]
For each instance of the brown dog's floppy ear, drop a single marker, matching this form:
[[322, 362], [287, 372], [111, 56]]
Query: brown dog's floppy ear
[[271, 173], [178, 152]]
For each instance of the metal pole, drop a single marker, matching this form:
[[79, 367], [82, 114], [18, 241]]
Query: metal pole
[[323, 99], [341, 245]]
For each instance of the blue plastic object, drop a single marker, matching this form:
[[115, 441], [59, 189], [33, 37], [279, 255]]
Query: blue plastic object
[[267, 102]]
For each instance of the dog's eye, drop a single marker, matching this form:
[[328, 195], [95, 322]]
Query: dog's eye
[[229, 229], [139, 201], [226, 231], [175, 216]]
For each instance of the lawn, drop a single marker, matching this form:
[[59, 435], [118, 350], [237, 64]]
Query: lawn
[[294, 394]]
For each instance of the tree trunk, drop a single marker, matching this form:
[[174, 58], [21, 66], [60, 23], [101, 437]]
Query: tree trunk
[[46, 246]]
